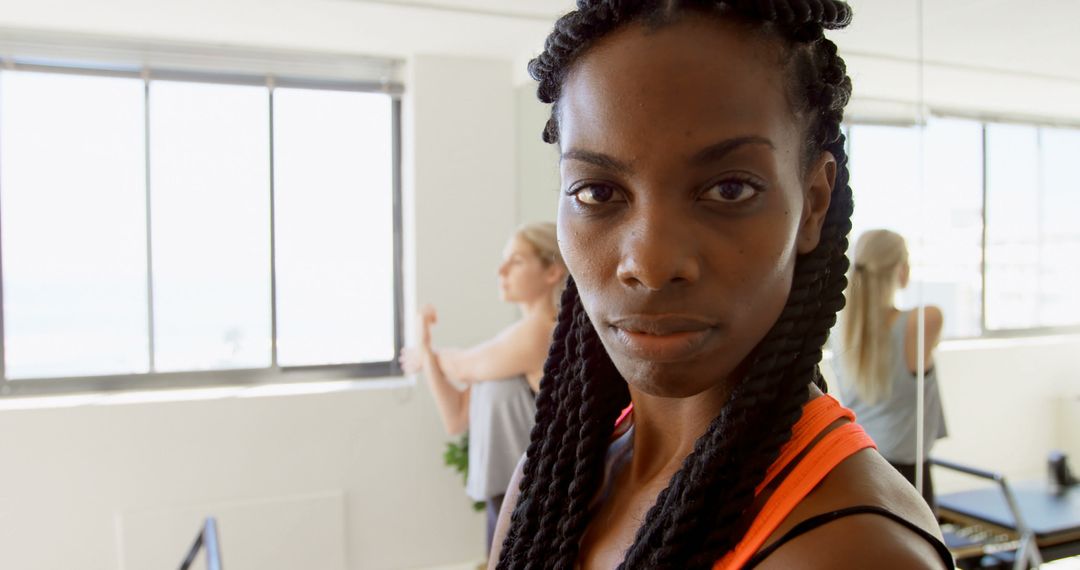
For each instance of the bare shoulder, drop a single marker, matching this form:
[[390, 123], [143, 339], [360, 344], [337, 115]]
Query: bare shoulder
[[934, 317], [530, 330], [933, 323], [861, 540]]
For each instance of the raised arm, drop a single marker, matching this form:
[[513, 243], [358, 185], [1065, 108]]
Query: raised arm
[[519, 349], [452, 401], [453, 404]]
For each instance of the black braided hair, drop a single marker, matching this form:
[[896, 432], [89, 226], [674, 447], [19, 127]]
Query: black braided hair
[[705, 509]]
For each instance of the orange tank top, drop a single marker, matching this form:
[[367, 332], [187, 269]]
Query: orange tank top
[[827, 453]]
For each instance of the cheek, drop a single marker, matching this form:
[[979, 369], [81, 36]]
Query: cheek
[[581, 255], [765, 262], [571, 239]]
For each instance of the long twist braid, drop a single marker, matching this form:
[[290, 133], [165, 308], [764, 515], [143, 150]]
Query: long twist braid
[[594, 418], [561, 472], [528, 544], [701, 513], [528, 507]]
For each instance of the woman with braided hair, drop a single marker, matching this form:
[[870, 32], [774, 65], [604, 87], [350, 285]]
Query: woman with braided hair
[[681, 420]]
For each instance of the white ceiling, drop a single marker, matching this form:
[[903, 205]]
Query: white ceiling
[[1034, 36], [532, 9], [1028, 36]]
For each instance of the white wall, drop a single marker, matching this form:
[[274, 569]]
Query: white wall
[[1003, 401], [537, 161], [354, 478]]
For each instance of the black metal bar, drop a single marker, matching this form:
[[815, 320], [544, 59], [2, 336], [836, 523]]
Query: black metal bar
[[273, 240], [1029, 547], [3, 339], [985, 269], [193, 551], [208, 537], [399, 297], [149, 228], [967, 469]]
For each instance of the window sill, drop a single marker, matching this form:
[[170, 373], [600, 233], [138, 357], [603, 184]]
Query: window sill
[[204, 393], [993, 342]]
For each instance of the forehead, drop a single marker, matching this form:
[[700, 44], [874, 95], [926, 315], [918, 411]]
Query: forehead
[[694, 81], [516, 245]]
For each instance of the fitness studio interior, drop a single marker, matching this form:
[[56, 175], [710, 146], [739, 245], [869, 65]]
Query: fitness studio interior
[[232, 230]]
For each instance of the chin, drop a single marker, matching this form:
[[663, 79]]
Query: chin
[[667, 379]]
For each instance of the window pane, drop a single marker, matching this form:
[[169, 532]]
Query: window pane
[[944, 234], [884, 179], [333, 167], [74, 221], [210, 199], [885, 189], [1060, 258], [1012, 226], [951, 253]]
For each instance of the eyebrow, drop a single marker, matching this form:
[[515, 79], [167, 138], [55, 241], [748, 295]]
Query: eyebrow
[[596, 158], [719, 150], [706, 155]]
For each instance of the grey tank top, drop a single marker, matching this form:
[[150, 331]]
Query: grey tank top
[[501, 417], [891, 421]]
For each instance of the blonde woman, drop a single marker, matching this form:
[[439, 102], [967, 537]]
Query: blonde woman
[[488, 390], [877, 363]]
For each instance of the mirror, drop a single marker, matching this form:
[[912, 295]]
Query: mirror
[[1000, 252]]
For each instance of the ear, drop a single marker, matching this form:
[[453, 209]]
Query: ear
[[819, 185], [554, 274]]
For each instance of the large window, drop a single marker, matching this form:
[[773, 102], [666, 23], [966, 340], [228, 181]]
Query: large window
[[1033, 238], [992, 231], [183, 229]]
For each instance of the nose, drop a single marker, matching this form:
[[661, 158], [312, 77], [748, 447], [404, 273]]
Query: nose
[[658, 251]]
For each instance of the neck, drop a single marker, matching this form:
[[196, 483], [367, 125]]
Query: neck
[[540, 307], [666, 429]]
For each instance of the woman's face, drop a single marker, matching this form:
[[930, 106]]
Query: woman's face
[[522, 275], [685, 200], [904, 273]]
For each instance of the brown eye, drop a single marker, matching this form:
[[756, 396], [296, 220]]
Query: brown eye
[[595, 194], [730, 191]]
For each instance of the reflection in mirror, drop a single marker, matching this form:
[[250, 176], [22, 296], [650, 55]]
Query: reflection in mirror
[[975, 168], [1000, 254]]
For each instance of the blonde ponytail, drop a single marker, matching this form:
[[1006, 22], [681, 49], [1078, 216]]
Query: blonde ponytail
[[880, 256]]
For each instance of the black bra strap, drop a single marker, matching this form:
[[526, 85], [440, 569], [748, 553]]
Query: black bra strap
[[822, 519]]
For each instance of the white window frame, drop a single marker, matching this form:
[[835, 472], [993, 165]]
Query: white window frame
[[983, 120], [219, 66]]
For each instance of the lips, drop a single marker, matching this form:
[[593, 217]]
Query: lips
[[662, 338], [660, 324]]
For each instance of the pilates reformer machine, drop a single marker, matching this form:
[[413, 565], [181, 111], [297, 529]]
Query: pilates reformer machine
[[1009, 525]]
